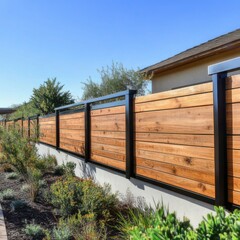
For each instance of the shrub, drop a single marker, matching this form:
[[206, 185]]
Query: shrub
[[46, 163], [18, 205], [7, 194], [62, 233], [66, 194], [65, 169], [83, 227], [220, 226], [12, 175], [25, 188], [59, 170], [159, 224], [35, 231]]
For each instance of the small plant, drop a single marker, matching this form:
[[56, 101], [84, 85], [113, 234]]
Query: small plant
[[35, 231], [7, 194], [65, 169], [25, 188], [62, 233], [59, 170], [18, 205], [12, 175]]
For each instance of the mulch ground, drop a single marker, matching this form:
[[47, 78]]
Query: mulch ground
[[38, 212]]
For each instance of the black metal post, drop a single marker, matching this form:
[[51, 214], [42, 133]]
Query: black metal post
[[37, 130], [5, 123], [57, 130], [220, 144], [87, 132], [29, 127], [130, 168]]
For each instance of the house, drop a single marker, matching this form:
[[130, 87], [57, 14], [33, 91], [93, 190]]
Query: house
[[191, 66]]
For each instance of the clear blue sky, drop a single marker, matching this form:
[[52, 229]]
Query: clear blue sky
[[70, 40]]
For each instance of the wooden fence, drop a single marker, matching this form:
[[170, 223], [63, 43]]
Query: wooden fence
[[168, 138]]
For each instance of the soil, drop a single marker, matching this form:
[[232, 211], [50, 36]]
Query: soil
[[39, 212]]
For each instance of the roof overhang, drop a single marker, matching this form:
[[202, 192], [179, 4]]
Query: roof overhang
[[7, 110]]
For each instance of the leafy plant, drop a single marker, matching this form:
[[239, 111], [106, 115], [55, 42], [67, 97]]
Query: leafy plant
[[62, 233], [34, 230], [67, 169], [12, 175], [18, 205], [158, 224], [7, 194], [220, 225]]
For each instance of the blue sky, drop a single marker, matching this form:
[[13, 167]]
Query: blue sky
[[70, 40]]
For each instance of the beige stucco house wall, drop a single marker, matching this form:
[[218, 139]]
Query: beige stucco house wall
[[194, 73], [191, 66]]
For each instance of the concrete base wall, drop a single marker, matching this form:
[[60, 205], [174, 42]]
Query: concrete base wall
[[182, 205]]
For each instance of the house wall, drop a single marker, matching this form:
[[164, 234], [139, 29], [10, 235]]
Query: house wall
[[189, 74]]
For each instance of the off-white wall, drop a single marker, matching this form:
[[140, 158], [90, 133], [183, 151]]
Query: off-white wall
[[189, 74], [184, 206]]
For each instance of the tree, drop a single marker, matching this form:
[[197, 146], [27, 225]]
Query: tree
[[26, 109], [49, 96], [114, 78]]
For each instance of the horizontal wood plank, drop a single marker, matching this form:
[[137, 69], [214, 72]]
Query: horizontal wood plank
[[108, 111]]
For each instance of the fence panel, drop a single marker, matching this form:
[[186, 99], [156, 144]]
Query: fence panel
[[174, 138], [233, 137], [47, 130], [108, 137], [71, 132]]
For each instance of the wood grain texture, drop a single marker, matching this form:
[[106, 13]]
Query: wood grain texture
[[72, 116], [195, 186], [197, 120], [182, 139], [108, 111], [233, 82], [178, 102], [186, 91], [234, 197]]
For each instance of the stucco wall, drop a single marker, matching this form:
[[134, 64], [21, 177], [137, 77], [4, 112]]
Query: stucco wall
[[184, 206], [189, 74]]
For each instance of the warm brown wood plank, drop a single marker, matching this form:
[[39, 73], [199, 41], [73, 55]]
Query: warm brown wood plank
[[109, 141], [234, 183], [233, 82], [74, 121], [108, 148], [179, 102], [109, 134], [186, 91], [108, 111], [195, 163], [198, 120], [233, 119], [109, 161], [71, 148], [233, 142], [109, 122], [234, 197], [72, 116], [71, 126], [188, 151], [233, 95], [186, 172], [112, 155], [47, 119], [233, 169], [195, 186], [233, 156], [183, 139], [72, 141]]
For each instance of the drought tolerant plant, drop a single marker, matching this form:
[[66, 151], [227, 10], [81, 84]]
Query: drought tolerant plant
[[7, 194], [18, 205], [12, 175], [151, 225], [220, 225], [34, 231], [65, 169], [62, 233]]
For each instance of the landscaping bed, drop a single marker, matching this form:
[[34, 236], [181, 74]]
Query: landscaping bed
[[39, 212]]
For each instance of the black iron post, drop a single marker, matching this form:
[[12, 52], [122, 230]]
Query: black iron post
[[37, 130], [57, 129], [220, 143], [29, 127], [130, 168], [87, 132]]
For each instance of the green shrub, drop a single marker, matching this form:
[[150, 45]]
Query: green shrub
[[7, 194], [18, 205], [220, 225], [25, 188], [46, 163], [62, 233], [83, 227], [35, 231], [65, 169], [66, 195], [12, 175], [158, 224]]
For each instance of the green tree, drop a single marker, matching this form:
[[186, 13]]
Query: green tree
[[50, 95], [115, 78], [26, 109]]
